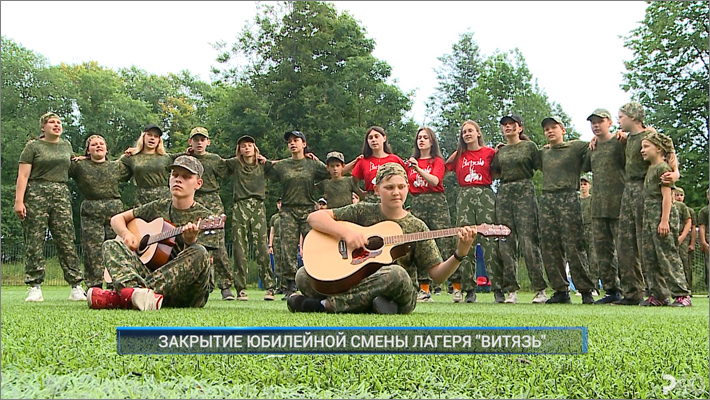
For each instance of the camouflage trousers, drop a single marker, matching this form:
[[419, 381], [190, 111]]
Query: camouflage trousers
[[95, 229], [687, 260], [517, 209], [604, 230], [591, 254], [220, 259], [477, 205], [563, 241], [278, 262], [293, 225], [433, 209], [185, 281], [628, 241], [390, 281], [664, 274], [48, 205], [249, 227], [146, 195]]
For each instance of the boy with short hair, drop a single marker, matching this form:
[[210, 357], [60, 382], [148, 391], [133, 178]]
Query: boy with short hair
[[684, 224], [338, 190], [585, 201]]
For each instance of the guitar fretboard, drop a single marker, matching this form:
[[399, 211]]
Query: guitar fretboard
[[419, 236], [158, 237]]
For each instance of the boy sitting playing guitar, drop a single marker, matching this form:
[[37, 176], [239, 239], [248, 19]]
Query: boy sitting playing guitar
[[186, 279], [392, 288]]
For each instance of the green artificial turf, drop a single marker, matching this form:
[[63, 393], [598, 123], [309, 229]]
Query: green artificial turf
[[63, 349]]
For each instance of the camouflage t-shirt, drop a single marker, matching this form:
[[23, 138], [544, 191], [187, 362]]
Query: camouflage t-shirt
[[248, 180], [562, 164], [274, 222], [338, 192], [607, 162], [298, 179], [50, 161], [99, 181], [215, 168], [149, 170], [703, 220], [652, 183], [586, 203], [693, 219], [517, 161], [164, 209], [683, 215], [636, 167], [424, 254]]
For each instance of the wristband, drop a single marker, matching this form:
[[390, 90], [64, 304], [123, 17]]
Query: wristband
[[458, 258]]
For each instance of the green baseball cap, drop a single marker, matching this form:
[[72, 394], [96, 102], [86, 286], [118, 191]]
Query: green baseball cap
[[389, 169], [199, 131], [554, 119], [335, 155], [601, 113], [634, 110], [190, 163]]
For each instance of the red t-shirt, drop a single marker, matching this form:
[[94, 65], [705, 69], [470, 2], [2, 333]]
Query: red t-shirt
[[473, 168], [418, 185], [366, 169]]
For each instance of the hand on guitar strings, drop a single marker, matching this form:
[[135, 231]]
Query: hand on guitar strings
[[190, 231], [353, 239]]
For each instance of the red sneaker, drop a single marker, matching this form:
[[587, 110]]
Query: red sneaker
[[143, 299], [98, 298], [682, 301]]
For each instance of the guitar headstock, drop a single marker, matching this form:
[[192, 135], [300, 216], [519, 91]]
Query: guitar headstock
[[212, 223], [493, 230]]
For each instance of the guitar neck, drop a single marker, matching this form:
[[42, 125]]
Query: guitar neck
[[419, 236], [159, 237]]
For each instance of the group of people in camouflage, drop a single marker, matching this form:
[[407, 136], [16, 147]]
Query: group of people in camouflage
[[626, 233]]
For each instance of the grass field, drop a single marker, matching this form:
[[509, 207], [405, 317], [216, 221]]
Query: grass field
[[63, 349]]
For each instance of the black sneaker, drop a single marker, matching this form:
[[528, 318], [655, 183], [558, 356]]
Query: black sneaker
[[300, 303], [437, 291], [587, 297], [227, 294], [611, 296], [498, 296], [471, 296], [628, 302], [559, 298], [382, 305], [279, 291]]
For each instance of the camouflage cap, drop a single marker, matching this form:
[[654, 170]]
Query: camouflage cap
[[554, 119], [634, 110], [664, 142], [199, 131], [246, 138], [389, 169], [601, 113], [586, 177], [679, 189], [335, 155], [190, 163], [46, 117]]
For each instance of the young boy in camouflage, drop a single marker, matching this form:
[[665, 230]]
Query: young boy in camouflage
[[186, 279], [338, 190], [393, 288], [585, 201], [685, 226], [275, 247], [703, 234]]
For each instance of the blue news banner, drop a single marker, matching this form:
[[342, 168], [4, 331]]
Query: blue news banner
[[351, 340]]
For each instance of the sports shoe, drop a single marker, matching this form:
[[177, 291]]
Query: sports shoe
[[34, 294], [458, 296], [279, 291], [682, 301], [227, 294], [577, 293], [424, 297], [471, 296], [628, 302], [511, 298], [437, 291], [611, 296], [242, 296], [98, 299], [269, 296], [77, 294], [382, 305], [540, 297], [654, 302], [290, 289], [587, 297], [143, 299], [595, 292], [559, 298], [498, 296], [300, 303]]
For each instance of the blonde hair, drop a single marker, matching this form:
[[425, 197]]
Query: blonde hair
[[240, 156], [88, 141], [138, 148]]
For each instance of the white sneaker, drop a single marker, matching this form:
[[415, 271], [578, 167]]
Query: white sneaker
[[34, 294], [146, 299], [511, 298], [77, 294], [577, 293], [458, 296], [595, 293], [540, 297]]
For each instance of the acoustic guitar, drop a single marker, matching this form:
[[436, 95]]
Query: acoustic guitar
[[157, 238], [334, 268]]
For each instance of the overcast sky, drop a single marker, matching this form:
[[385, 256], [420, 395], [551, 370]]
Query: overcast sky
[[572, 48]]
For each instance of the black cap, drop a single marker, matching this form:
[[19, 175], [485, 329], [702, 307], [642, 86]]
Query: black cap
[[514, 117], [297, 134], [246, 138], [152, 126]]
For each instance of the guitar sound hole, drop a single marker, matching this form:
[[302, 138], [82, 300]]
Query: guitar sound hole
[[375, 243], [143, 244]]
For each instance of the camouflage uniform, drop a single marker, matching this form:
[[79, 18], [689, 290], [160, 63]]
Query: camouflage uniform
[[48, 204], [298, 179], [703, 220], [275, 222], [249, 223], [684, 215], [186, 279], [150, 174], [98, 183], [215, 168], [338, 192], [664, 268], [516, 208], [561, 216], [433, 209], [586, 206], [397, 282]]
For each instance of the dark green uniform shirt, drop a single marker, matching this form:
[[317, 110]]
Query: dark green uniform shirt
[[274, 222], [586, 203], [149, 170], [703, 220], [50, 161], [562, 164], [683, 215], [248, 180], [636, 166], [215, 168], [298, 178], [607, 162], [99, 181], [652, 184], [516, 162], [424, 254], [164, 209], [338, 192]]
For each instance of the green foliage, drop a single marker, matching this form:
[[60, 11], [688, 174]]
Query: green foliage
[[669, 74]]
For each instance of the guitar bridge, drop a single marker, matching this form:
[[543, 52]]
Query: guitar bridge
[[343, 249]]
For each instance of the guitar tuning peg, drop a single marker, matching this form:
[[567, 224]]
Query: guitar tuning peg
[[212, 232]]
